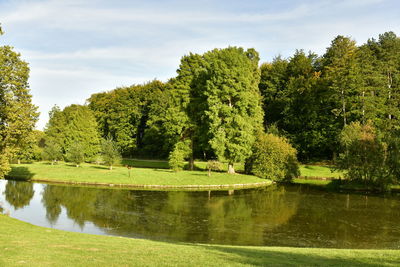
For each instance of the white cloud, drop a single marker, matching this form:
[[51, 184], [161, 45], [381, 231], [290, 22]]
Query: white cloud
[[76, 48]]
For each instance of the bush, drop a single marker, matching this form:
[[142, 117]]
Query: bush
[[76, 154], [178, 155], [110, 153], [52, 152], [273, 158], [213, 165], [364, 155]]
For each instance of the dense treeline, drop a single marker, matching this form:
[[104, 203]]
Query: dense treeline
[[212, 109], [312, 98], [309, 98], [342, 106]]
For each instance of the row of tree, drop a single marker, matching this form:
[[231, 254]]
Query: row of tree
[[220, 105]]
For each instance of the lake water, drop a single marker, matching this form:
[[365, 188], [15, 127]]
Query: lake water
[[297, 216]]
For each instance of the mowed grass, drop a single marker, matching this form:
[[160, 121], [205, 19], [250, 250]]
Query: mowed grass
[[22, 244], [121, 175], [163, 164], [320, 171]]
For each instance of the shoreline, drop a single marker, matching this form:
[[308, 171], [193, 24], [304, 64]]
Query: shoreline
[[148, 186], [28, 244]]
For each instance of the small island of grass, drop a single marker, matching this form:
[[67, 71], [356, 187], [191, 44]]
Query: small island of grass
[[93, 174]]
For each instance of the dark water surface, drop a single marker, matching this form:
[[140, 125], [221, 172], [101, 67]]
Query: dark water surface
[[275, 216]]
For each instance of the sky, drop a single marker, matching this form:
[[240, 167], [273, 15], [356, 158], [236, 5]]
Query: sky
[[79, 47]]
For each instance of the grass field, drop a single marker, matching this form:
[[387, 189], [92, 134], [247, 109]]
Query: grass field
[[151, 172], [121, 175], [319, 171], [22, 244]]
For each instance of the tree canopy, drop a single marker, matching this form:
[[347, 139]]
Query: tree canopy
[[17, 113]]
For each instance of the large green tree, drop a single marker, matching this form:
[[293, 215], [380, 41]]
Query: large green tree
[[17, 113], [75, 124], [342, 74], [122, 114], [232, 111]]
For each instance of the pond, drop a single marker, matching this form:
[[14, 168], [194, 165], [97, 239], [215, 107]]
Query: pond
[[297, 216]]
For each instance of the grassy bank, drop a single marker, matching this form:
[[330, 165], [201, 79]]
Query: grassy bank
[[319, 171], [24, 244], [121, 175]]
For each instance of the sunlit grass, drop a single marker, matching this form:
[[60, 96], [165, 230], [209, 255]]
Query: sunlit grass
[[22, 244], [320, 171], [121, 175]]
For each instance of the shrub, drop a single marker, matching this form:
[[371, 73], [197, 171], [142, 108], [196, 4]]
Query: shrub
[[273, 158], [76, 154], [110, 153], [178, 155], [213, 165], [364, 155], [52, 152]]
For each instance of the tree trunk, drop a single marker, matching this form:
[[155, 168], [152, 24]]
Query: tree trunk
[[52, 162], [344, 108], [389, 76], [231, 170], [18, 161], [363, 107], [191, 158], [209, 172], [110, 167]]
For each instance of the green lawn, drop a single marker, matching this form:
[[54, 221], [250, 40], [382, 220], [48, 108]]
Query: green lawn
[[22, 244], [163, 164], [120, 175], [319, 171]]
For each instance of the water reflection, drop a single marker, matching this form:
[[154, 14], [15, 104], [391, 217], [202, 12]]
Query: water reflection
[[19, 194], [277, 215]]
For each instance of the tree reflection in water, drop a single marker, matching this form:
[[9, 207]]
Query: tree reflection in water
[[19, 194], [276, 215], [241, 218]]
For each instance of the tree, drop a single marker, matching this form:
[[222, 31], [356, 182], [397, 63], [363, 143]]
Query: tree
[[17, 113], [364, 154], [178, 155], [76, 154], [273, 158], [110, 153], [52, 152], [74, 124], [272, 88], [123, 114], [232, 111], [340, 70]]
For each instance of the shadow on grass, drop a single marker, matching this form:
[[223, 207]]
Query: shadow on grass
[[263, 257], [163, 170], [100, 167], [20, 173]]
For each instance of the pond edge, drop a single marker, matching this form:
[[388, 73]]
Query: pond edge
[[150, 186]]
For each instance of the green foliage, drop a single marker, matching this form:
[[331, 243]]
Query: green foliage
[[110, 153], [232, 109], [52, 152], [364, 156], [213, 165], [123, 114], [76, 154], [17, 113], [19, 194], [273, 158], [74, 124], [178, 155]]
